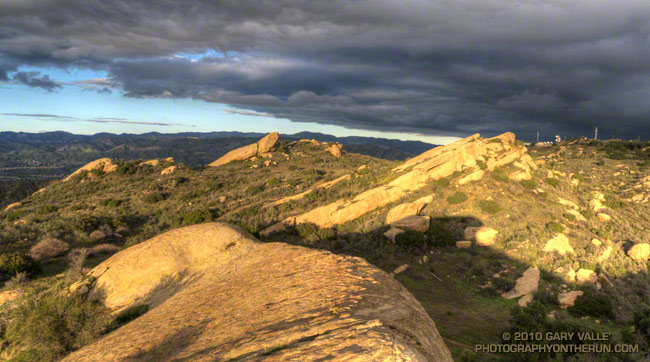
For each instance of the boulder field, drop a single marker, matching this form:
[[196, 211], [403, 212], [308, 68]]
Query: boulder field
[[216, 293], [469, 155]]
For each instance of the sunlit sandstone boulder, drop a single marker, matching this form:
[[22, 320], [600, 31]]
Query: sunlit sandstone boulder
[[243, 153], [216, 293]]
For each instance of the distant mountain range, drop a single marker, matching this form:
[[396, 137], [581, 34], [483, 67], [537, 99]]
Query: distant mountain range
[[52, 155]]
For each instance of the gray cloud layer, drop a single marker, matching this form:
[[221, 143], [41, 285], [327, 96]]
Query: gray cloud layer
[[58, 118], [435, 67]]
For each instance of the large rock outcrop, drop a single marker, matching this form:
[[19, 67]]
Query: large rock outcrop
[[217, 294], [243, 153], [443, 161], [104, 164]]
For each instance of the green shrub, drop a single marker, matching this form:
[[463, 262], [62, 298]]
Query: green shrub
[[410, 238], [16, 215], [588, 213], [313, 196], [197, 217], [293, 168], [153, 197], [82, 175], [111, 203], [326, 233], [253, 190], [50, 326], [46, 209], [504, 283], [594, 304], [528, 319], [552, 181], [500, 175], [529, 184], [640, 327], [127, 168], [444, 182], [457, 198], [482, 165], [440, 235], [249, 212], [489, 206], [273, 181], [604, 234], [178, 180], [613, 202], [14, 263], [87, 223], [570, 217], [555, 227], [306, 229], [97, 172]]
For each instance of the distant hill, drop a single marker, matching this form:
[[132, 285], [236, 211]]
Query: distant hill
[[52, 155]]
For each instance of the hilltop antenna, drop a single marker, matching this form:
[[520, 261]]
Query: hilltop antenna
[[596, 133], [537, 137]]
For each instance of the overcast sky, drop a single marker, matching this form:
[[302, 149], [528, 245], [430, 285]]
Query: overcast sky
[[433, 68]]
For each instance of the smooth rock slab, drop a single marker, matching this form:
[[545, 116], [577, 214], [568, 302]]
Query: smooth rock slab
[[417, 223], [217, 294], [568, 299], [403, 210], [392, 233], [526, 284]]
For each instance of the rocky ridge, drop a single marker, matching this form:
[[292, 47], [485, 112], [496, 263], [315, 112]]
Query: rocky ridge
[[470, 155]]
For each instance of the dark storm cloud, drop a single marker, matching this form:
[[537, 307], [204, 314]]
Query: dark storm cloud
[[35, 80], [434, 67]]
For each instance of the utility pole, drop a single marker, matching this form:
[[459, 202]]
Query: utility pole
[[596, 134], [537, 137]]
